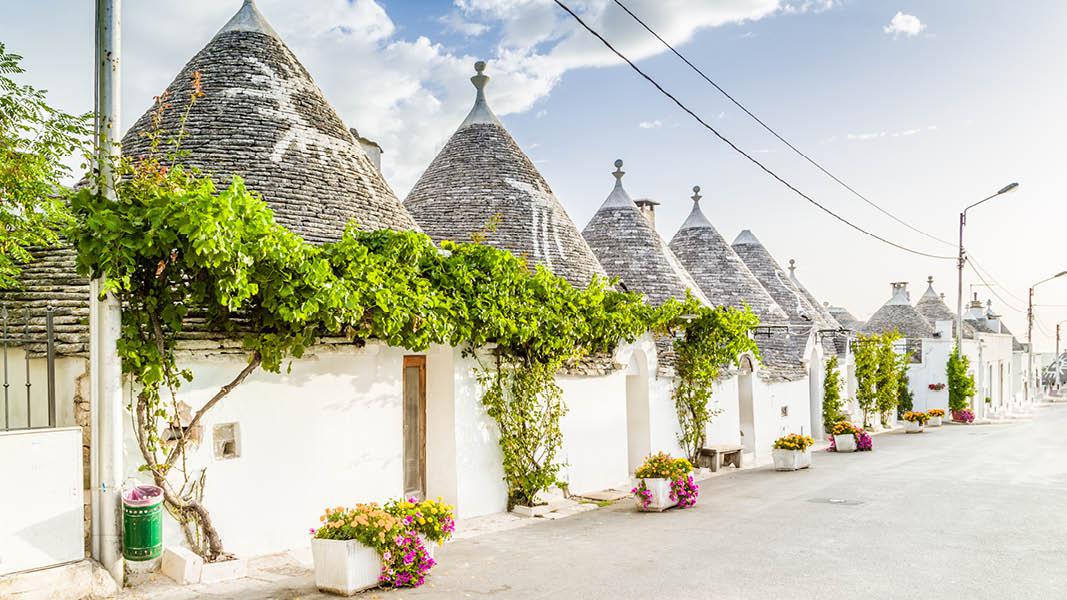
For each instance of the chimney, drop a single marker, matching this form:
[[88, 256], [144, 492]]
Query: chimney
[[974, 310], [647, 206], [370, 148], [992, 319], [900, 293]]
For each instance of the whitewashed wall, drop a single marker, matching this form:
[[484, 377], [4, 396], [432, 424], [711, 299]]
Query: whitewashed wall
[[770, 423], [479, 465], [725, 428], [594, 432], [931, 371]]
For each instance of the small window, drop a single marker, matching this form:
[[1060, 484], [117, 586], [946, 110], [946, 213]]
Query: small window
[[227, 439]]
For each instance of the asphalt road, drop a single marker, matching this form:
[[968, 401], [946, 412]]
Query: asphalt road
[[958, 512]]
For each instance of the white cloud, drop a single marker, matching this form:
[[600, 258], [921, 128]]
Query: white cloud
[[863, 137], [904, 24], [650, 124], [455, 22]]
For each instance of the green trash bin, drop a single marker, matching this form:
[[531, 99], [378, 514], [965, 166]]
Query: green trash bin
[[142, 522]]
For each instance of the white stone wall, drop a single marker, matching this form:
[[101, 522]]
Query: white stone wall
[[594, 432], [725, 428], [771, 423]]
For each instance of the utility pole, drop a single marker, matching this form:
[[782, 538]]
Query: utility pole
[[1030, 337], [105, 370]]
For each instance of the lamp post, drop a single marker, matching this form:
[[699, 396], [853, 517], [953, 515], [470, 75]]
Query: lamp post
[[1058, 337], [962, 259], [1030, 335]]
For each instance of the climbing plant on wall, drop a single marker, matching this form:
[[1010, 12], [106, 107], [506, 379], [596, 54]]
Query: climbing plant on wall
[[832, 405], [961, 387], [707, 340]]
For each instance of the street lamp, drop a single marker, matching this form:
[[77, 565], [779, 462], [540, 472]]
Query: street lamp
[[1058, 337], [1011, 187], [1030, 335]]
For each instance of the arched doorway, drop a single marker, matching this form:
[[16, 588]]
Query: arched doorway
[[747, 410], [815, 395], [638, 429]]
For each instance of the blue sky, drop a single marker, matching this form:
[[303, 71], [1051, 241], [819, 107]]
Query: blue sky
[[957, 101]]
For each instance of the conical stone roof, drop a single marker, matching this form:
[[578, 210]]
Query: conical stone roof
[[718, 270], [264, 119], [819, 307], [482, 178], [776, 281], [899, 315], [628, 247], [934, 309], [845, 318]]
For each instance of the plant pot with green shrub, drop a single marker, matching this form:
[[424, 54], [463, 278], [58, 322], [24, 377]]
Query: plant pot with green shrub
[[432, 520], [914, 421], [664, 481], [792, 452]]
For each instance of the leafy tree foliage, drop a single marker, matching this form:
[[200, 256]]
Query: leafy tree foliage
[[961, 387], [832, 404], [35, 140]]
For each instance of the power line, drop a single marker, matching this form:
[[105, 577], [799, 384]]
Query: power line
[[994, 291], [735, 147], [970, 258], [777, 135]]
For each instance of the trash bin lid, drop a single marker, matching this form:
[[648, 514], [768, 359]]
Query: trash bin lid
[[142, 495]]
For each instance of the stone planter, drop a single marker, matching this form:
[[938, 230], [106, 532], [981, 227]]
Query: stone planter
[[345, 567], [845, 443], [661, 495], [791, 460], [913, 427], [934, 422]]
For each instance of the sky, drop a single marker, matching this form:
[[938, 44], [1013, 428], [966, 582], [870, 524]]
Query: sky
[[924, 106]]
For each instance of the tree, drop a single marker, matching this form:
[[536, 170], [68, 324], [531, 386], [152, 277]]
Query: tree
[[905, 398], [961, 386], [866, 356], [888, 375], [832, 406], [35, 140]]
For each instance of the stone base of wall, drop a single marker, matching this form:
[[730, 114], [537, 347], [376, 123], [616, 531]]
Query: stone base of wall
[[84, 579]]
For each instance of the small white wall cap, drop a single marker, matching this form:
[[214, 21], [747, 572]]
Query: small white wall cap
[[480, 113], [249, 19], [745, 237]]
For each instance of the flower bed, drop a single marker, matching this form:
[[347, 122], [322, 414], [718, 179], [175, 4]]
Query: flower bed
[[665, 481], [963, 416], [792, 452]]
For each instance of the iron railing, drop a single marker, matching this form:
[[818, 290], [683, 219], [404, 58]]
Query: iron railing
[[11, 340]]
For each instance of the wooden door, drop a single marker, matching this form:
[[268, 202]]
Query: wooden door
[[415, 426]]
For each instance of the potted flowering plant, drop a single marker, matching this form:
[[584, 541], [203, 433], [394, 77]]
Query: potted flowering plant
[[963, 416], [347, 548], [432, 520], [936, 416], [844, 436], [792, 452], [937, 387], [914, 421], [663, 482], [359, 548]]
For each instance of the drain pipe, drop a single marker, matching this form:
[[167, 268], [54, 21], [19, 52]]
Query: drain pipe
[[106, 448]]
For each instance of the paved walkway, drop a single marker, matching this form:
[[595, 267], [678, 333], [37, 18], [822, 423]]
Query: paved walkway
[[957, 512]]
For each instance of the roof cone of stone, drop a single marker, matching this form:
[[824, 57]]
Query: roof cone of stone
[[776, 281], [933, 307], [898, 314], [629, 248], [481, 178], [718, 270], [819, 307], [264, 119], [845, 318]]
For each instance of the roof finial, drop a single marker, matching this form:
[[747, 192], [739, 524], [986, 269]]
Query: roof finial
[[792, 267], [480, 114], [618, 172], [696, 195], [930, 279]]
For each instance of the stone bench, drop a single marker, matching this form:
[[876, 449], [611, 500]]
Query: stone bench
[[724, 454]]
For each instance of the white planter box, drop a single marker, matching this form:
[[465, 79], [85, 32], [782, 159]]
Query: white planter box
[[429, 544], [345, 567], [225, 570], [661, 495], [912, 427], [791, 460], [845, 443], [934, 422]]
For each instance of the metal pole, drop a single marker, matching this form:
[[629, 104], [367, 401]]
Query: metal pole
[[1030, 346], [50, 335], [1057, 340], [959, 288], [104, 316]]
